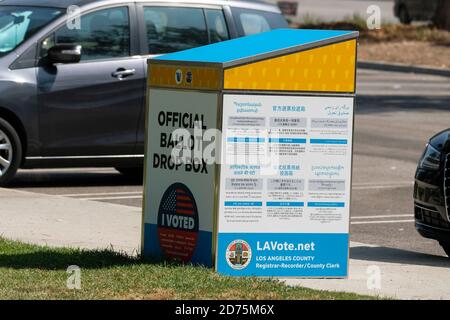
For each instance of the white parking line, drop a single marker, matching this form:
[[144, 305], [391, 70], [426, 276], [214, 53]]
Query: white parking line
[[111, 198], [129, 195], [68, 170], [383, 216], [101, 194], [382, 183], [381, 222], [381, 186], [356, 186]]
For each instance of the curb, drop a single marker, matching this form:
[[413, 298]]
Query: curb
[[398, 67]]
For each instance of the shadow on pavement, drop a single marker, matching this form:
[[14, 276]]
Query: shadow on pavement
[[49, 179], [392, 255]]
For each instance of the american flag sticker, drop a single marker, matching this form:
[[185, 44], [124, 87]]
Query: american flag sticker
[[178, 223]]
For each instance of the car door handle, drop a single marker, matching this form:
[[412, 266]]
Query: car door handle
[[122, 73]]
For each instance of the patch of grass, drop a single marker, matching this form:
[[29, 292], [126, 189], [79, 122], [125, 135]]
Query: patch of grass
[[388, 32], [354, 22], [310, 19], [394, 32], [35, 272]]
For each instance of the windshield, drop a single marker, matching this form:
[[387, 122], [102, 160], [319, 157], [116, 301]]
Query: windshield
[[17, 24]]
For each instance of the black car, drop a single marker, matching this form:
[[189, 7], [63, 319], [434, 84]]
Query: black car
[[432, 191], [415, 10]]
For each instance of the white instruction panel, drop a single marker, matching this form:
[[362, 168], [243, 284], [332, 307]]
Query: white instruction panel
[[285, 179]]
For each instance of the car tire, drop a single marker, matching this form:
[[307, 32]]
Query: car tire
[[403, 15], [446, 247], [10, 152], [136, 173]]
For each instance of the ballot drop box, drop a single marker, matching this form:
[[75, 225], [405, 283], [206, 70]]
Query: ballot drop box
[[248, 160]]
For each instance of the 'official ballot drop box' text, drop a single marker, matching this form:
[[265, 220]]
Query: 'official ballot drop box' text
[[249, 154]]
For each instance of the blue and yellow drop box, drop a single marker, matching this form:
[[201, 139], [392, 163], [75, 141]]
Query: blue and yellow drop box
[[286, 96]]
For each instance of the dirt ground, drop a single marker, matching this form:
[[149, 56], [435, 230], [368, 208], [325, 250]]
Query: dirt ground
[[420, 53]]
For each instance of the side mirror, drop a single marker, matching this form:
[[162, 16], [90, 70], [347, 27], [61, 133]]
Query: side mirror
[[64, 53]]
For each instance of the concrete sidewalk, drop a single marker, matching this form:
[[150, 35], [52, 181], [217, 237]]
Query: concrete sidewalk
[[403, 274], [62, 221]]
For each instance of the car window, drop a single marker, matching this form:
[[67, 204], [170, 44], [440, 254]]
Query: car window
[[17, 24], [103, 34], [254, 21], [171, 29], [217, 26]]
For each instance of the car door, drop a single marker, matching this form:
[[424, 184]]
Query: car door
[[178, 27], [92, 108]]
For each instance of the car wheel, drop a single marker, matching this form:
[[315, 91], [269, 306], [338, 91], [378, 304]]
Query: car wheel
[[403, 15], [136, 173], [446, 247], [10, 152]]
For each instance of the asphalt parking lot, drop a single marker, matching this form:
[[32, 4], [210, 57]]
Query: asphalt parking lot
[[396, 114]]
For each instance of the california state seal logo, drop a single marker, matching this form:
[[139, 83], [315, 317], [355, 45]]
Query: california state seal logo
[[239, 254]]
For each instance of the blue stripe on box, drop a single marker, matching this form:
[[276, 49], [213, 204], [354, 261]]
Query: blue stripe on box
[[285, 204], [287, 140], [326, 204], [242, 204], [287, 254], [257, 44], [329, 141]]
